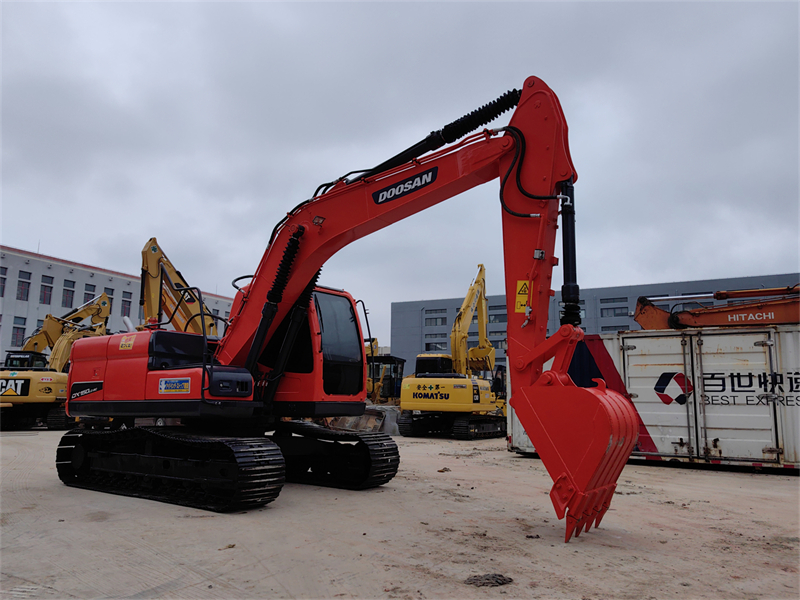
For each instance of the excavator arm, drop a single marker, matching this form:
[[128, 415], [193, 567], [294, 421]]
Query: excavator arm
[[53, 327], [584, 436], [166, 295], [767, 306], [480, 358]]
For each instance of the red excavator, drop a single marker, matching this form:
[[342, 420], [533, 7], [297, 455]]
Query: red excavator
[[767, 306], [292, 351]]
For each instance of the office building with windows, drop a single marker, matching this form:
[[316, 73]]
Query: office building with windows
[[424, 326], [34, 285]]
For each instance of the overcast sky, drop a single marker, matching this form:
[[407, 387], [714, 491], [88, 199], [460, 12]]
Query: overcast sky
[[203, 123]]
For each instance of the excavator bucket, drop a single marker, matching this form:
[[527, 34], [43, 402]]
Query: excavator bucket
[[584, 437]]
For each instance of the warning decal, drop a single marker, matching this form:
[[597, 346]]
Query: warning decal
[[522, 296]]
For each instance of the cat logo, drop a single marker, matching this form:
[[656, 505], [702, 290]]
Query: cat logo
[[14, 387]]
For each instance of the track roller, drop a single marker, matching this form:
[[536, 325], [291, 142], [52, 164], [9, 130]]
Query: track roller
[[353, 460], [209, 472]]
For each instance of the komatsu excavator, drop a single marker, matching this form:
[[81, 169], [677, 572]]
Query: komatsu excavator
[[446, 394], [33, 385], [293, 350]]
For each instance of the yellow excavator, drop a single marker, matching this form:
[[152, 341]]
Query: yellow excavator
[[167, 299], [33, 385], [446, 394]]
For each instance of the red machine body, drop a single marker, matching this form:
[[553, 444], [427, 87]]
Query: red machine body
[[584, 436]]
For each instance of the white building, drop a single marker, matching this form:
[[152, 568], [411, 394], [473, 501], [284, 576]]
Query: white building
[[34, 285]]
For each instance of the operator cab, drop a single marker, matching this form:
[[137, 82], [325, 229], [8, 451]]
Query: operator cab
[[26, 360], [435, 365]]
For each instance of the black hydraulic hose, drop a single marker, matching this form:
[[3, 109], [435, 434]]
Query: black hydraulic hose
[[233, 283], [275, 293], [519, 156], [274, 297], [297, 317], [451, 132]]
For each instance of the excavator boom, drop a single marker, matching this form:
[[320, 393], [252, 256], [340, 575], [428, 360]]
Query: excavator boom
[[769, 306]]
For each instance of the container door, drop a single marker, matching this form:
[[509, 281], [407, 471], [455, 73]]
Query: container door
[[738, 389], [659, 377]]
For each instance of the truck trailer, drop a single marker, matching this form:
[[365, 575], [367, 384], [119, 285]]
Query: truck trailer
[[717, 396]]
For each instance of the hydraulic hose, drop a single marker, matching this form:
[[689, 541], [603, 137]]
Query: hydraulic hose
[[451, 132]]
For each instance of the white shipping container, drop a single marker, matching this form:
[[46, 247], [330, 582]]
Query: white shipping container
[[718, 396]]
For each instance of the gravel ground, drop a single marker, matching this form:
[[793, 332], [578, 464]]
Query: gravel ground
[[456, 510]]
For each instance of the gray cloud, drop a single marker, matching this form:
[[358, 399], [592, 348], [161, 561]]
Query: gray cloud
[[203, 123]]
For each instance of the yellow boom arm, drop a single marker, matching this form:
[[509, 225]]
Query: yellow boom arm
[[480, 358], [161, 299]]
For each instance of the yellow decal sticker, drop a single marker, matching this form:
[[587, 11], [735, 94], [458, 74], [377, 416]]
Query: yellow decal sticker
[[126, 343], [522, 296]]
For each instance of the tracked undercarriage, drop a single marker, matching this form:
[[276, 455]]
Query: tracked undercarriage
[[219, 473], [460, 426]]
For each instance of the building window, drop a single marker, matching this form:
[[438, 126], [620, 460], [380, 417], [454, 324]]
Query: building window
[[88, 297], [435, 311], [435, 346], [3, 271], [18, 332], [23, 289], [126, 295], [617, 311], [614, 328], [498, 307], [497, 334], [69, 284], [227, 314], [472, 344], [498, 318], [17, 336], [67, 298], [430, 336], [500, 345], [126, 308], [215, 311], [39, 323], [110, 293], [435, 321], [612, 300], [89, 288], [46, 290]]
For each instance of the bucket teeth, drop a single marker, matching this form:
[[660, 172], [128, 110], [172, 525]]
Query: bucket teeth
[[584, 437]]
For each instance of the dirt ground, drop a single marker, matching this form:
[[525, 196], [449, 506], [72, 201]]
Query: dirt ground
[[455, 510]]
